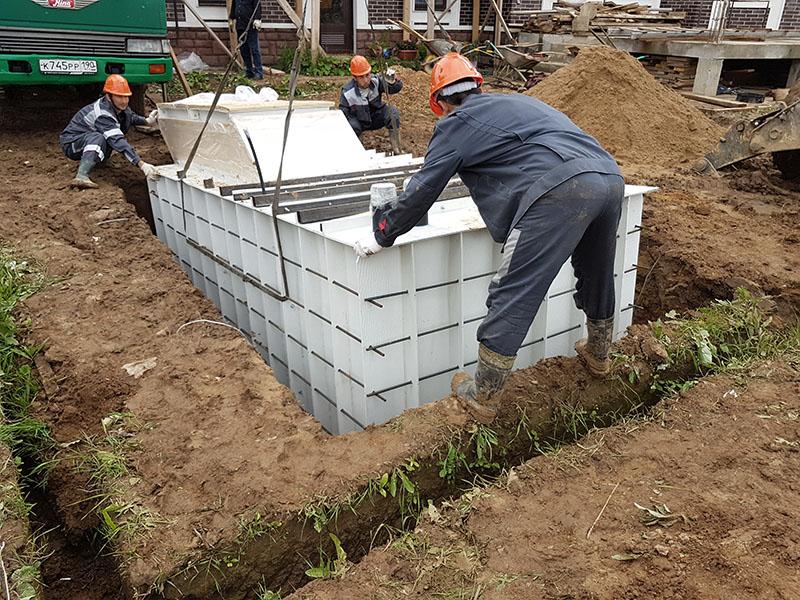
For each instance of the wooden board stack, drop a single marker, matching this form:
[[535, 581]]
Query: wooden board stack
[[560, 18], [674, 71]]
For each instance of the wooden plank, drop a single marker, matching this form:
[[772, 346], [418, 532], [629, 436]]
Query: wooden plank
[[714, 100], [232, 38], [406, 18], [186, 87], [500, 23], [293, 16], [476, 20], [315, 10]]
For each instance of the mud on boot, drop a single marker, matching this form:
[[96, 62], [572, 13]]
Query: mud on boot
[[82, 181], [475, 395], [593, 349]]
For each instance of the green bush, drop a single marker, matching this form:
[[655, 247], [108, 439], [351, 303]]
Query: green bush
[[326, 64]]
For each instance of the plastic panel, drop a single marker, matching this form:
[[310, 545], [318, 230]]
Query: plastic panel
[[360, 341]]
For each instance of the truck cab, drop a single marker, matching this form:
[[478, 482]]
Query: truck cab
[[74, 42]]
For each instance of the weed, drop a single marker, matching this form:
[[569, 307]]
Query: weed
[[330, 568], [12, 505], [575, 421], [263, 593], [325, 65], [26, 581], [124, 522], [726, 337], [104, 463], [450, 465], [486, 445], [255, 526], [19, 387]]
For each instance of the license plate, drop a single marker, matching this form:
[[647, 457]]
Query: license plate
[[62, 66]]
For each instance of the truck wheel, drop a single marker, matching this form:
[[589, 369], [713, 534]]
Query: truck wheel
[[788, 163], [137, 100]]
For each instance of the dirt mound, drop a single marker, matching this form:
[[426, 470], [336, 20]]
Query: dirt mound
[[610, 95]]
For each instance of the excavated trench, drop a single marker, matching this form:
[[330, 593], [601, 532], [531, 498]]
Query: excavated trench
[[271, 534], [542, 397]]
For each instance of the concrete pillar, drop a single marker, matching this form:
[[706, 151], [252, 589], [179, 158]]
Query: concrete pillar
[[706, 79], [794, 73]]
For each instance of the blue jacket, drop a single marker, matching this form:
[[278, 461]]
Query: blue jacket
[[509, 150], [359, 105], [102, 117], [242, 10]]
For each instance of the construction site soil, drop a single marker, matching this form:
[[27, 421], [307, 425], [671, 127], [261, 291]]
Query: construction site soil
[[218, 449]]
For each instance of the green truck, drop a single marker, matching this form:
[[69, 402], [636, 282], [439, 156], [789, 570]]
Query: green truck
[[70, 42]]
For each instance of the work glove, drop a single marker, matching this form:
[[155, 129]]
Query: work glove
[[367, 246], [391, 75], [149, 170], [257, 24], [152, 118]]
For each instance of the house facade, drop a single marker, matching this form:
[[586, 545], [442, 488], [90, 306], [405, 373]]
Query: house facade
[[348, 26]]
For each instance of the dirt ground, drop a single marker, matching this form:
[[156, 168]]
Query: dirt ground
[[203, 459], [723, 458]]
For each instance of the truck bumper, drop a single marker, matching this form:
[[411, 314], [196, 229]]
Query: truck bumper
[[23, 69]]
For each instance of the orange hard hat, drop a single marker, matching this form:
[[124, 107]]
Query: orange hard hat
[[359, 66], [117, 85], [450, 68]]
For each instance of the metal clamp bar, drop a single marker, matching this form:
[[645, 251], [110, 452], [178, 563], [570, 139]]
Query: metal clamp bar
[[227, 190], [389, 389]]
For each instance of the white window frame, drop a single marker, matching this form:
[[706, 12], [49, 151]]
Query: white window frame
[[419, 18]]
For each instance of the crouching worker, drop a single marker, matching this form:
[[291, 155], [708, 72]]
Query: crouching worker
[[362, 103], [545, 189], [98, 129]]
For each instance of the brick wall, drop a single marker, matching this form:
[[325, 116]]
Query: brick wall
[[465, 18], [791, 16], [273, 42], [364, 37], [748, 18], [697, 11], [381, 10]]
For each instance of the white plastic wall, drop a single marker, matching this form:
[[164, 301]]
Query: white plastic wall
[[320, 140], [360, 341]]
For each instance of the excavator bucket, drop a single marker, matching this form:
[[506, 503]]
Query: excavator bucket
[[776, 131]]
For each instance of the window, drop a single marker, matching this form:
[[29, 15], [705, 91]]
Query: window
[[421, 5], [210, 2], [419, 16]]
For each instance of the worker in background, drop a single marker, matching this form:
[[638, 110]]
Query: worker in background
[[246, 17], [98, 129], [545, 189], [362, 103]]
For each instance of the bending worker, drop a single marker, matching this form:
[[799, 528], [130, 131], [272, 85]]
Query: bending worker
[[98, 129], [545, 189], [362, 103]]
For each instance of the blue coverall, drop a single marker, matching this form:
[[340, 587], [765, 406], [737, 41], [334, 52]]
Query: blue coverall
[[97, 129], [242, 12], [545, 189], [365, 109]]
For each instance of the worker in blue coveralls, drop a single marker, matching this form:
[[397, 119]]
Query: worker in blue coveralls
[[362, 103], [545, 189], [246, 17], [99, 128]]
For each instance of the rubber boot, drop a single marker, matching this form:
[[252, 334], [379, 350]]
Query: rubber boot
[[594, 348], [490, 375], [394, 139], [82, 180]]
